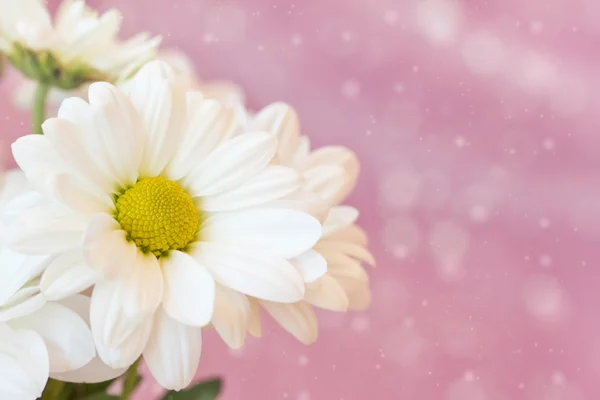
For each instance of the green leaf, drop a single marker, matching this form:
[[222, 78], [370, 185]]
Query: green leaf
[[207, 390]]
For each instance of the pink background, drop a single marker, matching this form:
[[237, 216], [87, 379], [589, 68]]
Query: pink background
[[477, 124]]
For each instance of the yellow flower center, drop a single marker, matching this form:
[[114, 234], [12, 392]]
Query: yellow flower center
[[158, 215]]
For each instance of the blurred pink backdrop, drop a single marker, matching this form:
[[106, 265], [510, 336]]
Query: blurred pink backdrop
[[478, 127]]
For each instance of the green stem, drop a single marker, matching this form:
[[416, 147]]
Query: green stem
[[39, 107], [130, 381], [53, 390]]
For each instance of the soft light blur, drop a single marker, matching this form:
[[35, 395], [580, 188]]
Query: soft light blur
[[478, 127]]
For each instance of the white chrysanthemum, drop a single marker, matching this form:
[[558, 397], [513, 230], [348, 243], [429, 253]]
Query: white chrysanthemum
[[77, 47], [331, 173], [168, 208]]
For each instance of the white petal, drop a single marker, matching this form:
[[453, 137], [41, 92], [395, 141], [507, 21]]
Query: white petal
[[66, 275], [251, 271], [110, 325], [106, 247], [281, 120], [46, 228], [348, 273], [36, 157], [127, 352], [209, 123], [231, 317], [287, 233], [79, 195], [255, 320], [325, 181], [327, 293], [161, 105], [14, 184], [225, 92], [353, 234], [16, 269], [189, 295], [19, 205], [302, 152], [351, 249], [341, 157], [272, 183], [232, 163], [69, 141], [17, 308], [17, 305], [173, 352], [311, 265], [360, 298], [299, 319], [302, 200], [96, 370], [96, 38], [97, 137], [120, 145], [24, 364], [339, 218], [142, 288], [67, 336]]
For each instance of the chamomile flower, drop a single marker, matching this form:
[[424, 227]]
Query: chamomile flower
[[79, 46], [169, 207]]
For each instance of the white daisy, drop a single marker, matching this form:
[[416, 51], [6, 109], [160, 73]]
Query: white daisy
[[331, 173], [169, 208], [78, 46]]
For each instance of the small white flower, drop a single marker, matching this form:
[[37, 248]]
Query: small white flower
[[330, 172], [78, 46], [335, 279], [168, 207]]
